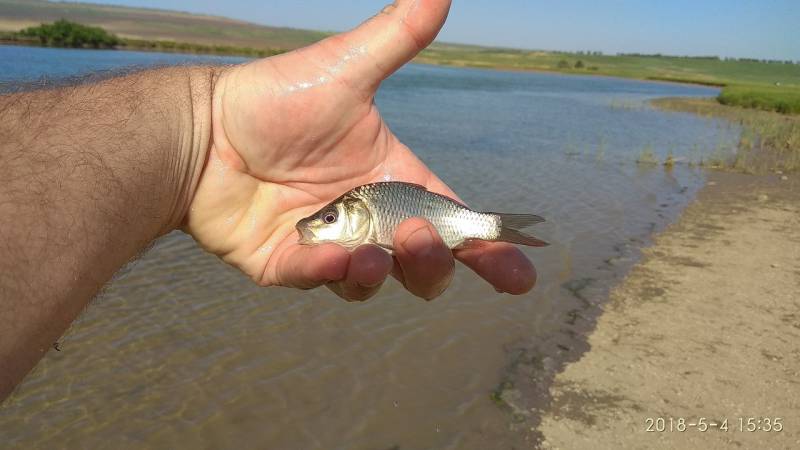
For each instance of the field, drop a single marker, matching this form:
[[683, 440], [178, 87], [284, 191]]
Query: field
[[754, 84], [710, 71], [771, 86]]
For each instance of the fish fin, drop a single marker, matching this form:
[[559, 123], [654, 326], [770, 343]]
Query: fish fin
[[389, 249], [517, 237], [510, 225], [519, 221], [469, 243]]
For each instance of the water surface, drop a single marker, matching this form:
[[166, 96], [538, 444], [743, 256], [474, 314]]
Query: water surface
[[183, 351]]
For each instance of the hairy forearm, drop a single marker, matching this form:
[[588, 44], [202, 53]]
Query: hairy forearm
[[89, 176]]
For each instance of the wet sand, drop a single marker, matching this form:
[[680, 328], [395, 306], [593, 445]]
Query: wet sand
[[708, 325]]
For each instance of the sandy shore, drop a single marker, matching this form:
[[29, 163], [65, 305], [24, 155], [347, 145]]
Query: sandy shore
[[707, 326]]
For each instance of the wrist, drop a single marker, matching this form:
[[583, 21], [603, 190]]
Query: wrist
[[191, 138]]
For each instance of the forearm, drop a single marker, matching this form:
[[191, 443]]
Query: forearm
[[89, 176]]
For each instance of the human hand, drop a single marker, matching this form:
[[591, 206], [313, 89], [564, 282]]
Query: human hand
[[292, 132]]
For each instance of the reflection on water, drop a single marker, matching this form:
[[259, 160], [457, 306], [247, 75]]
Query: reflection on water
[[181, 350]]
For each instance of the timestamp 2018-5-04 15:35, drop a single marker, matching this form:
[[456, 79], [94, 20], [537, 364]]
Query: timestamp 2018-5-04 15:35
[[743, 424]]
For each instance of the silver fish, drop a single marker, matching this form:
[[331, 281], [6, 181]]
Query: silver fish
[[371, 213]]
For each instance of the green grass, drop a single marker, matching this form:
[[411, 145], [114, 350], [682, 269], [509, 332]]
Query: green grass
[[785, 100], [769, 141], [186, 47], [707, 71]]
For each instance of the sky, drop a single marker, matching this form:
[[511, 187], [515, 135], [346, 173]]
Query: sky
[[767, 29]]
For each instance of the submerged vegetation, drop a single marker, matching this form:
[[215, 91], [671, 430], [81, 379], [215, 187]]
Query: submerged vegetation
[[769, 141], [647, 156]]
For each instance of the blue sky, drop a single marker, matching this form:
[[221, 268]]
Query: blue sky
[[743, 28]]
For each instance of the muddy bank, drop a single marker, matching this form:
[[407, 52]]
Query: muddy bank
[[707, 326]]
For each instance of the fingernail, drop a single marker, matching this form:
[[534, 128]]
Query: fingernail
[[420, 242], [369, 286]]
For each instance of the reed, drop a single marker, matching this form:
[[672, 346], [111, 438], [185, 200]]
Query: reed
[[769, 141]]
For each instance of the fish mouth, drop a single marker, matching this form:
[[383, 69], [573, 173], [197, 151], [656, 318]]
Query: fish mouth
[[306, 236]]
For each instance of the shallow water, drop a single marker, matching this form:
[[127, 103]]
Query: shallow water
[[181, 350]]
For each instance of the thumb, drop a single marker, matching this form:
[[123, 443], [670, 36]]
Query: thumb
[[371, 52]]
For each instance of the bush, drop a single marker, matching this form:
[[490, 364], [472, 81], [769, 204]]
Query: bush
[[63, 33], [563, 64], [579, 64]]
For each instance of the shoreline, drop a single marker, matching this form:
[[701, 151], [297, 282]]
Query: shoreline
[[587, 73], [253, 53], [695, 330], [244, 52]]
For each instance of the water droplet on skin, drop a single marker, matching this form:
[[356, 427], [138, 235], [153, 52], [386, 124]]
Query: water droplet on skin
[[387, 171], [351, 54], [305, 85]]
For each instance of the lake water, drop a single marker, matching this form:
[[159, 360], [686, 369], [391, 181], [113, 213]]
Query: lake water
[[182, 351]]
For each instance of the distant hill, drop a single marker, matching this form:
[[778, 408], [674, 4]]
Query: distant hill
[[154, 24]]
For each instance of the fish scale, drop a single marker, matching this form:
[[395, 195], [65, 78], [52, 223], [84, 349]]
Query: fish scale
[[391, 203]]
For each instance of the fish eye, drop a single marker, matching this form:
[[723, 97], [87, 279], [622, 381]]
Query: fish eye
[[329, 217]]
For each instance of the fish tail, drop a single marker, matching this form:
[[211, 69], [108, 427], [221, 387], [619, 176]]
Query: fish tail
[[510, 225]]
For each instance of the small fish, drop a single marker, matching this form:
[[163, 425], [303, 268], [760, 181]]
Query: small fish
[[371, 213]]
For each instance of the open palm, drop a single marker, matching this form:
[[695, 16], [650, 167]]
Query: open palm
[[292, 132]]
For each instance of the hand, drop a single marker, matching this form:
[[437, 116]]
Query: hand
[[292, 132]]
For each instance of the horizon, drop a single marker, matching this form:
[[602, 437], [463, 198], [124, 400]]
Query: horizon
[[744, 30]]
